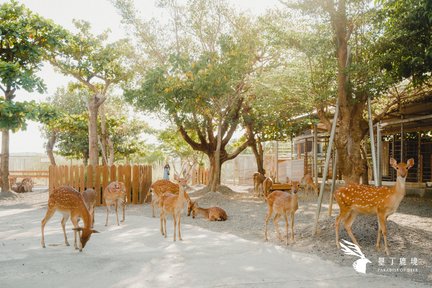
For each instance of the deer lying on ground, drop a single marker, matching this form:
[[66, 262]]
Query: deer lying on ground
[[115, 193], [173, 204], [258, 180], [26, 185], [383, 201], [70, 203], [160, 188], [308, 183], [212, 213], [90, 201], [283, 204]]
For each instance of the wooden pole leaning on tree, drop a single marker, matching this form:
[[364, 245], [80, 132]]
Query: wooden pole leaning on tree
[[372, 142], [323, 182], [332, 188]]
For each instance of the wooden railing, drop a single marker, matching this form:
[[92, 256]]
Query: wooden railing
[[137, 179]]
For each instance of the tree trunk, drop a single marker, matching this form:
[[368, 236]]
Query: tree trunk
[[52, 137], [258, 151], [214, 184], [111, 152], [103, 135], [93, 132], [214, 173], [5, 161]]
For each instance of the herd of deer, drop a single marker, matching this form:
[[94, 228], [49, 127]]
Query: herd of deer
[[353, 199]]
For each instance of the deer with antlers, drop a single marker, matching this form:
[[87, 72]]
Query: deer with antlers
[[212, 213], [283, 204], [70, 203], [383, 201], [115, 194], [173, 204]]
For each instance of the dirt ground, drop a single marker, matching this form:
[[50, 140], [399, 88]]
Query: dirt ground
[[409, 230]]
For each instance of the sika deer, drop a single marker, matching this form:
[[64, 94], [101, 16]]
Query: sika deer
[[258, 180], [212, 213], [173, 204], [282, 203], [159, 188], [90, 201], [267, 185], [383, 201], [71, 204], [115, 193], [308, 183]]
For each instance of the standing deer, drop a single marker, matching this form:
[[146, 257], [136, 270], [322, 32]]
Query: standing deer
[[70, 203], [212, 213], [173, 204], [90, 201], [308, 183], [267, 185], [258, 180], [115, 193], [160, 188], [282, 203], [383, 201]]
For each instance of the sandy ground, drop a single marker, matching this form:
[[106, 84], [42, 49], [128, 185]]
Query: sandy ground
[[212, 254]]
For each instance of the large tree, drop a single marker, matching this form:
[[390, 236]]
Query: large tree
[[25, 37], [98, 66]]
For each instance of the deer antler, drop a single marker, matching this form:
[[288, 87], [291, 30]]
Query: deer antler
[[355, 251]]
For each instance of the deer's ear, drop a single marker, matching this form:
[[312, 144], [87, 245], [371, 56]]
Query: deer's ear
[[94, 231], [77, 229], [410, 163], [393, 163]]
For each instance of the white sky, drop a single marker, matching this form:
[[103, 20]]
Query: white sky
[[102, 15]]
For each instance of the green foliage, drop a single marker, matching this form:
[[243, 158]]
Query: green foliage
[[406, 46]]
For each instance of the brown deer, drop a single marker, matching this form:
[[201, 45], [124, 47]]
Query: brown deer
[[70, 203], [258, 180], [308, 183], [212, 213], [160, 188], [115, 193], [267, 185], [173, 204], [282, 203], [383, 201], [90, 201]]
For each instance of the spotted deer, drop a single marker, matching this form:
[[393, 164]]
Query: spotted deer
[[115, 194], [70, 203], [90, 201], [383, 201], [212, 213], [308, 183], [258, 180], [160, 188], [283, 204], [174, 205]]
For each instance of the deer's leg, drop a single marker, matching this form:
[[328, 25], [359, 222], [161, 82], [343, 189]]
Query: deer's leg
[[178, 225], [116, 211], [74, 220], [161, 222], [124, 208], [378, 243], [267, 218], [50, 212], [63, 224], [342, 215], [382, 221], [108, 204], [292, 226], [286, 226], [348, 223], [276, 225], [175, 224]]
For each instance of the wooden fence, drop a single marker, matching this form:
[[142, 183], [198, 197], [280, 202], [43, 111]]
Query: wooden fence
[[200, 176], [137, 179]]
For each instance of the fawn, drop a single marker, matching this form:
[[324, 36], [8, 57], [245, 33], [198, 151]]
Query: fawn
[[383, 201], [173, 204], [71, 204], [308, 183], [258, 180], [160, 188], [115, 193], [282, 203], [267, 185], [212, 213], [90, 201]]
